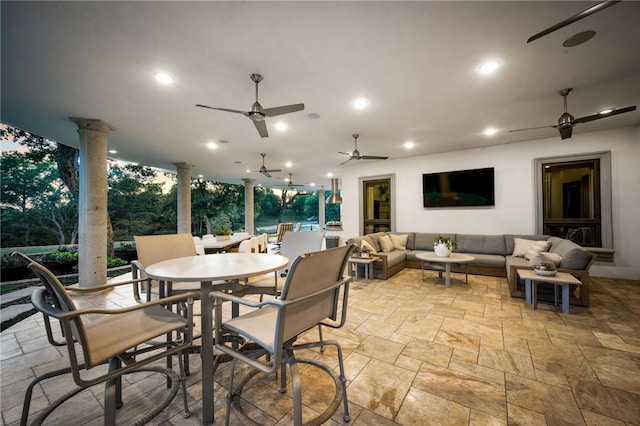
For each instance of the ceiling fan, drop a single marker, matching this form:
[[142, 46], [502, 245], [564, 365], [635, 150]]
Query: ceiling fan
[[290, 184], [355, 154], [264, 170], [590, 11], [257, 114], [567, 121]]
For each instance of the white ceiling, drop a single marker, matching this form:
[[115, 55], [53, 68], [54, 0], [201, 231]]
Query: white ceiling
[[415, 62]]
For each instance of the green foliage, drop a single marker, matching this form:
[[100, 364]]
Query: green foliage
[[450, 242], [115, 261], [59, 256]]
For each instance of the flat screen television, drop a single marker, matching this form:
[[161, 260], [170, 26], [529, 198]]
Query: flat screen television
[[461, 188]]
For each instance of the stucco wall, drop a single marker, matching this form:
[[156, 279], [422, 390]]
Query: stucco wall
[[514, 211]]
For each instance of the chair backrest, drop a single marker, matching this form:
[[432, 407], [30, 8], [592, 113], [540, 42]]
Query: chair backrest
[[53, 300], [245, 247], [282, 229], [157, 248], [296, 243], [298, 227], [311, 273], [264, 242], [254, 242]]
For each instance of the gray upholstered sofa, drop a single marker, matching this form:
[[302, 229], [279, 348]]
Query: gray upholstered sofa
[[493, 256]]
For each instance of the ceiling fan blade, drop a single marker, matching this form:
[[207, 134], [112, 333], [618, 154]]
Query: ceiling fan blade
[[608, 114], [272, 112], [345, 153], [273, 170], [590, 11], [262, 128], [224, 109], [533, 128], [345, 162], [371, 157], [266, 173]]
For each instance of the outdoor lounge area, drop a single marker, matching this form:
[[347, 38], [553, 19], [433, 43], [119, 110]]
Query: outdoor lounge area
[[415, 353]]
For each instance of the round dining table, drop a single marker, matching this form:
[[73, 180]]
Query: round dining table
[[206, 269]]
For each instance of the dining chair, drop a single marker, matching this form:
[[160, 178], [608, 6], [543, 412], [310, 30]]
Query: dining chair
[[310, 297], [280, 231], [255, 244], [264, 242], [126, 339]]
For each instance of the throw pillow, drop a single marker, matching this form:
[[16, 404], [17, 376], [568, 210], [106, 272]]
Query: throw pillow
[[399, 241], [554, 258], [385, 243], [522, 246], [365, 245]]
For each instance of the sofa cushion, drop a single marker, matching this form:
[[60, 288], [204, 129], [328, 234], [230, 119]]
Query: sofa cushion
[[573, 256], [399, 241], [488, 260], [424, 240], [374, 237], [393, 257], [508, 240], [522, 246], [365, 245], [385, 243], [481, 244]]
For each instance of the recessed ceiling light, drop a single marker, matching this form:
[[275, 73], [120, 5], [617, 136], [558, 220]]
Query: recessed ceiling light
[[288, 164], [281, 125], [360, 103], [329, 174], [312, 184], [490, 131], [163, 77], [200, 176], [489, 67], [113, 151], [212, 145], [409, 144], [248, 170]]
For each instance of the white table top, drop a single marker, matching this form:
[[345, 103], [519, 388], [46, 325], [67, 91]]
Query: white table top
[[213, 243], [452, 258], [213, 267]]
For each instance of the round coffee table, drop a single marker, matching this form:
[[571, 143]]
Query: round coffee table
[[438, 262]]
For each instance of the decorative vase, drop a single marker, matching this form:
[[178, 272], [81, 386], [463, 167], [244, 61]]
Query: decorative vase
[[364, 254], [222, 237], [442, 250], [545, 269]]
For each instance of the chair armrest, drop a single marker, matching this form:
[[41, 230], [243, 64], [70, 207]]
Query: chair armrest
[[177, 298], [75, 287]]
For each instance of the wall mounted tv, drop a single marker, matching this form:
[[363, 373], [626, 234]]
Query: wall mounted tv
[[461, 188]]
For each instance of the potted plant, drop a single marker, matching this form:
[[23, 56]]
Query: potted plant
[[112, 262], [126, 250], [222, 233], [364, 252], [443, 246], [356, 251]]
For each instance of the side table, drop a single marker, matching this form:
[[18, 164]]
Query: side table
[[560, 279], [368, 266]]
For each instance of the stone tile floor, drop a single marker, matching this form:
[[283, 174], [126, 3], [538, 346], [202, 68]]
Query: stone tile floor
[[416, 353]]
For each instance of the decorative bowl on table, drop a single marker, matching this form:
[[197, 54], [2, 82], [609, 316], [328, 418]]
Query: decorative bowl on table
[[545, 269]]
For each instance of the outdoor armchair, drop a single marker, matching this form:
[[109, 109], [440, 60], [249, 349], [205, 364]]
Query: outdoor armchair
[[128, 339], [310, 297]]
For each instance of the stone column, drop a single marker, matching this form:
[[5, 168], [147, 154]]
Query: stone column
[[92, 201], [321, 207], [248, 205], [184, 197]]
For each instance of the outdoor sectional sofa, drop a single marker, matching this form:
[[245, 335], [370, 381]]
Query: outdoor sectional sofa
[[493, 256]]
